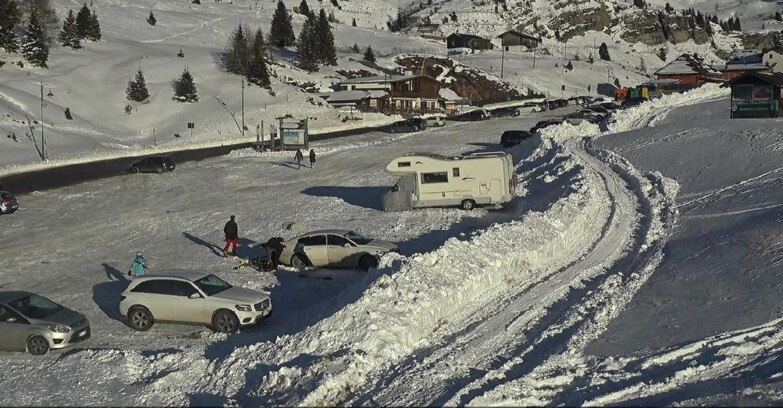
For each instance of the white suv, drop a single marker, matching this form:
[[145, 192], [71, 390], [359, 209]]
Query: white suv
[[435, 121], [191, 297]]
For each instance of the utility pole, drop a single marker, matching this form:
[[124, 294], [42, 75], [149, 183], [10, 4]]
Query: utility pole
[[44, 150], [534, 57], [502, 58], [243, 105]]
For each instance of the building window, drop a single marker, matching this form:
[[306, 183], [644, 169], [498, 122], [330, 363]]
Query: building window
[[455, 171], [373, 102], [432, 178], [403, 164], [743, 92]]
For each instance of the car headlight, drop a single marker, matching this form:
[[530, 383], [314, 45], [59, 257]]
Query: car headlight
[[243, 308], [58, 328]]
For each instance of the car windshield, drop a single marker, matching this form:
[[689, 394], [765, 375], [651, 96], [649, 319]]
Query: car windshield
[[36, 307], [6, 196], [212, 285], [357, 238]]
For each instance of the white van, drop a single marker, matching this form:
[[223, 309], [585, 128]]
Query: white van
[[433, 180]]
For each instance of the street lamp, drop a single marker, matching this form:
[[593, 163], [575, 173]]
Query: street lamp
[[43, 137]]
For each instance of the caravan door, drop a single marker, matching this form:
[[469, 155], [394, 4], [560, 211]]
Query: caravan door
[[496, 190]]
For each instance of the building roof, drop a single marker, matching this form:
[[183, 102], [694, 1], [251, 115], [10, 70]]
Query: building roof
[[746, 59], [449, 95], [383, 79], [354, 96], [773, 79], [468, 36], [742, 67], [666, 81], [519, 34], [687, 64]]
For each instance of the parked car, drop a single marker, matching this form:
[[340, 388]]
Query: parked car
[[514, 137], [335, 248], [436, 121], [194, 298], [152, 165], [403, 126], [530, 107], [552, 104], [544, 123], [578, 117], [420, 123], [8, 203], [478, 114], [505, 112], [610, 106], [562, 102], [598, 109], [35, 324]]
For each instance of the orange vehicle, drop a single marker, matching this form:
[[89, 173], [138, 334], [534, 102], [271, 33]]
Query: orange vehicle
[[622, 94]]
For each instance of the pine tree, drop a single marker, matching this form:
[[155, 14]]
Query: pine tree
[[327, 54], [669, 9], [304, 9], [356, 49], [235, 57], [590, 58], [83, 22], [281, 34], [69, 36], [569, 66], [708, 28], [95, 28], [137, 88], [369, 55], [307, 46], [258, 73], [603, 52], [737, 24], [151, 19], [185, 88], [354, 22], [778, 16], [35, 48], [10, 17]]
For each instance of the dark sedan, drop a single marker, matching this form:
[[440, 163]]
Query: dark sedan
[[505, 112], [152, 165], [514, 137], [543, 124], [404, 126], [479, 114]]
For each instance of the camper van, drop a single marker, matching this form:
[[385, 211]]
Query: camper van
[[432, 180]]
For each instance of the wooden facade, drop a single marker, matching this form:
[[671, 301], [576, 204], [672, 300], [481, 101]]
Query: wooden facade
[[755, 95], [514, 40], [471, 41]]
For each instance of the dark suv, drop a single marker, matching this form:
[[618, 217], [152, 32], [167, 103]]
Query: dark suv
[[152, 165], [404, 126], [8, 204], [514, 137]]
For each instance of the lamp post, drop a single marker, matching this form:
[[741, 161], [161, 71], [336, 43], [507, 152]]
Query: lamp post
[[43, 137]]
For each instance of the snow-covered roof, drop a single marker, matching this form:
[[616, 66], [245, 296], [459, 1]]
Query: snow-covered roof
[[354, 96], [774, 79], [742, 67], [687, 64], [448, 94], [666, 81], [519, 34], [379, 79]]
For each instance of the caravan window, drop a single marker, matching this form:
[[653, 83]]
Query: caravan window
[[455, 171], [439, 177], [404, 164]]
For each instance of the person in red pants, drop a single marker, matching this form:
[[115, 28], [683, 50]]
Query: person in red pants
[[232, 236]]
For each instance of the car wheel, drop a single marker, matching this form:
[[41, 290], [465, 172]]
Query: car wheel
[[159, 170], [367, 262], [37, 345], [298, 262], [140, 319], [135, 170], [468, 205], [225, 321]]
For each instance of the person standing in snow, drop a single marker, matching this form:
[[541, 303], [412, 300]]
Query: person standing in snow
[[138, 266], [232, 236], [299, 158], [312, 158], [275, 247]]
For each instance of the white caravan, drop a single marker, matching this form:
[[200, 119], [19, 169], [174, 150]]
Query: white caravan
[[433, 180]]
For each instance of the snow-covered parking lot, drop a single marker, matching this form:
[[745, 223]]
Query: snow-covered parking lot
[[495, 306]]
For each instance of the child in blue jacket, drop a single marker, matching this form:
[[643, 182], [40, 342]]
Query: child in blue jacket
[[138, 266]]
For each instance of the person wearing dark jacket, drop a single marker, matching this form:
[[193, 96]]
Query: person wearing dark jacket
[[312, 158], [299, 158], [275, 247], [232, 236]]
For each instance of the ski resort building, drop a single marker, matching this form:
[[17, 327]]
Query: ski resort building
[[515, 41], [689, 70], [469, 41], [755, 95], [773, 57], [749, 61], [404, 94]]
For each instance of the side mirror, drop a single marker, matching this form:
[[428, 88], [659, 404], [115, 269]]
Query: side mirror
[[11, 320], [195, 295]]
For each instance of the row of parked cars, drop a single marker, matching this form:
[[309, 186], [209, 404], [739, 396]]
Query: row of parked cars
[[36, 324], [416, 124], [595, 113]]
